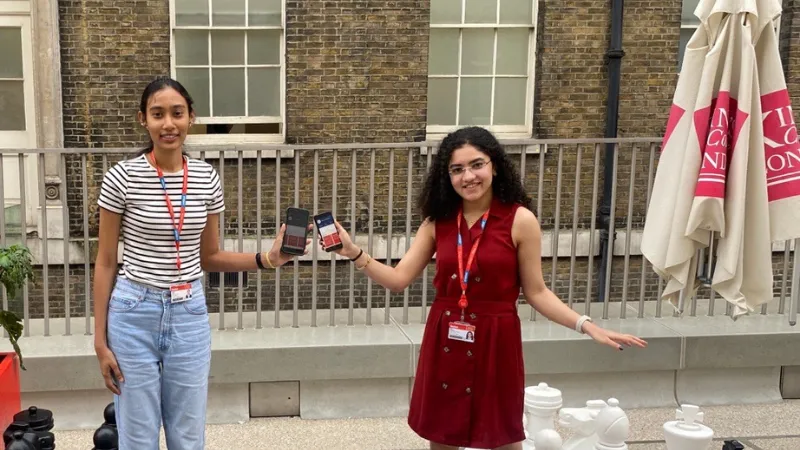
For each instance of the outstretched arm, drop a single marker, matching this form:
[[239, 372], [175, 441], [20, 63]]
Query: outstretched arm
[[212, 259], [527, 236], [410, 266]]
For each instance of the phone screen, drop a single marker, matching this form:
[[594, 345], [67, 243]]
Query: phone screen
[[327, 231], [295, 237]]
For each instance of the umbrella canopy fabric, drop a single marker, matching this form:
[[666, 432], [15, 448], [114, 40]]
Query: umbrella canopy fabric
[[664, 241], [730, 164]]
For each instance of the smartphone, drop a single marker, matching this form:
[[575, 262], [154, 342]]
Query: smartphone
[[294, 239], [328, 234]]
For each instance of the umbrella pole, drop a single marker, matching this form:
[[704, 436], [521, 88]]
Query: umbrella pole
[[795, 285]]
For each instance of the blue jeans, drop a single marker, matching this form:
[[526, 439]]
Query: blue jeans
[[164, 353]]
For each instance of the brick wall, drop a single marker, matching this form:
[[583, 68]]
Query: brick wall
[[109, 52], [357, 72]]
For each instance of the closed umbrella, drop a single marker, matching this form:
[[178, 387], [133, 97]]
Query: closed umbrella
[[732, 206], [665, 242], [781, 147]]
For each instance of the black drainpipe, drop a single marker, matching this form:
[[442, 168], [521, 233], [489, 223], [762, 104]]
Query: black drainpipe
[[614, 55]]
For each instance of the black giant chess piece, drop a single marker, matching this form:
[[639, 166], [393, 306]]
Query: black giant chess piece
[[106, 437], [21, 440], [732, 445], [33, 426]]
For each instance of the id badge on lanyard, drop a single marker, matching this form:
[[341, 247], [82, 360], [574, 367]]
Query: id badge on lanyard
[[461, 330], [183, 291]]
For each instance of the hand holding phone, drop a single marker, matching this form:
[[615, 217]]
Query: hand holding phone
[[329, 236], [292, 237]]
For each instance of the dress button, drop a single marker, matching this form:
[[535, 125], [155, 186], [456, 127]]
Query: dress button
[[469, 353], [453, 277], [469, 391], [447, 313], [478, 279], [446, 349], [444, 385], [473, 316]]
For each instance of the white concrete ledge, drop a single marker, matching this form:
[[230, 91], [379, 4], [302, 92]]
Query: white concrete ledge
[[363, 371]]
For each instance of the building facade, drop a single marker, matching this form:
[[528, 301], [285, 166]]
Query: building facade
[[267, 72]]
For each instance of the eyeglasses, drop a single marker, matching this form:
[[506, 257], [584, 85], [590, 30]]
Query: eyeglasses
[[473, 167]]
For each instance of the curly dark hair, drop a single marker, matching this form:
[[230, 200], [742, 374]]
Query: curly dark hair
[[439, 200]]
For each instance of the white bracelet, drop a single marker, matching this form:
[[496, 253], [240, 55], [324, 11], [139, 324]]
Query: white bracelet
[[581, 321]]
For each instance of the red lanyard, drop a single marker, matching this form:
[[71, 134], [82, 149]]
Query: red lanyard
[[462, 274], [176, 227]]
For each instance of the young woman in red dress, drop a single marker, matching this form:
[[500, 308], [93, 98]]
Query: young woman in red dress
[[469, 386]]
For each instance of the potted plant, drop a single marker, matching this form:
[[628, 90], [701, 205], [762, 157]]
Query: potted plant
[[15, 269]]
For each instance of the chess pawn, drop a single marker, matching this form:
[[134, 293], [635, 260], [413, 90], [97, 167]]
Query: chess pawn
[[542, 403], [547, 440], [687, 433], [612, 427]]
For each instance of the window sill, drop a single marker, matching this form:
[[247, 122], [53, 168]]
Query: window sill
[[204, 146]]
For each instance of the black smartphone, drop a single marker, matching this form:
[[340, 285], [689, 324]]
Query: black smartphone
[[328, 234], [294, 238]]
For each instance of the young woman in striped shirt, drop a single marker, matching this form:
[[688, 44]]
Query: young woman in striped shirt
[[152, 333]]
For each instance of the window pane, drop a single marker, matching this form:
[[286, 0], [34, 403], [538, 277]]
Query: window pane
[[191, 12], [687, 11], [443, 59], [12, 106], [264, 12], [263, 47], [476, 100], [228, 12], [228, 92], [227, 47], [481, 11], [512, 51], [509, 101], [11, 52], [476, 56], [446, 11], [442, 101], [264, 91], [516, 11], [196, 82], [191, 47]]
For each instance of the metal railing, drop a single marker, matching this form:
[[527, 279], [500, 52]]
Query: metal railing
[[371, 189]]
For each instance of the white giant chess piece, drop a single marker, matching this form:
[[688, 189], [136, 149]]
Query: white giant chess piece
[[584, 423], [542, 403], [613, 427], [548, 440], [687, 433]]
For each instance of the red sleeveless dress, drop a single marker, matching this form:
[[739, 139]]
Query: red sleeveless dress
[[472, 394]]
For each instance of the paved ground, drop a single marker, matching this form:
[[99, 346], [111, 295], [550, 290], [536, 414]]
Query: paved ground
[[758, 427]]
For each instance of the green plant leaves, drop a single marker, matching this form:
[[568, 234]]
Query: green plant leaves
[[13, 324], [16, 269]]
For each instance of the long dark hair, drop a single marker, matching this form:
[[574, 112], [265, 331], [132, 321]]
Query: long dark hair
[[153, 87], [438, 198]]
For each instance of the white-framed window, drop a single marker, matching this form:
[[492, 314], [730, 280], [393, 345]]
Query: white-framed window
[[229, 54], [18, 112], [481, 66]]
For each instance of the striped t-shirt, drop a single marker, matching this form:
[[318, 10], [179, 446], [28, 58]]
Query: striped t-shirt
[[132, 188]]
